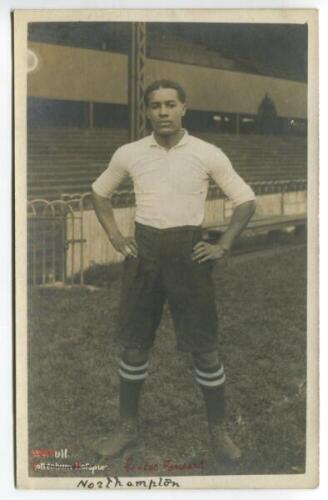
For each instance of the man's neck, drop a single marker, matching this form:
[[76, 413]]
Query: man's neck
[[169, 141]]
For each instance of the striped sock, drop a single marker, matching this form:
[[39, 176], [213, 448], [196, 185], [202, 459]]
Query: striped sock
[[133, 373], [211, 381], [131, 382], [210, 377]]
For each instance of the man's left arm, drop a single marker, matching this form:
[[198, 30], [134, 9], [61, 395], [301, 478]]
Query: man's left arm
[[242, 197], [241, 216]]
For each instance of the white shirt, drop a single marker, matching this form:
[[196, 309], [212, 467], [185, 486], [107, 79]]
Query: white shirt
[[171, 185]]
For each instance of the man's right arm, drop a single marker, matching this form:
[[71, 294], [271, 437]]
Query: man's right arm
[[102, 190], [105, 213]]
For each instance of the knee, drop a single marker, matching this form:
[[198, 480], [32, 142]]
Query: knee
[[135, 356], [206, 359]]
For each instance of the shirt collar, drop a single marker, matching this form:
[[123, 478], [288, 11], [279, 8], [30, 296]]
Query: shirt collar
[[182, 142]]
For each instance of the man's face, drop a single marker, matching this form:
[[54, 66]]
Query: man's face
[[165, 111]]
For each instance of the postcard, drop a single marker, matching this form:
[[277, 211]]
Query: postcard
[[166, 264]]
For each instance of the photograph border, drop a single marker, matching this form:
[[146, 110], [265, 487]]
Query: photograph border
[[310, 16]]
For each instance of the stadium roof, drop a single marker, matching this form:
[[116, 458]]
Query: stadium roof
[[278, 50]]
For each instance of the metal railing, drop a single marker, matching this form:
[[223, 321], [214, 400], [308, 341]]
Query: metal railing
[[56, 231]]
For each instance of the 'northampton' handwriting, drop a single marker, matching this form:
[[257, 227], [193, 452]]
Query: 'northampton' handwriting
[[115, 482]]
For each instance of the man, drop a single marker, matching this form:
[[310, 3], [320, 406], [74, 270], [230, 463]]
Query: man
[[167, 259]]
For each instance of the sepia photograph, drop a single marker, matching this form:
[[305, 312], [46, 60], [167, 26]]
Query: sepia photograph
[[166, 324]]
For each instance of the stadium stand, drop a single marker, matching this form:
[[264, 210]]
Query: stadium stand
[[76, 124], [67, 161]]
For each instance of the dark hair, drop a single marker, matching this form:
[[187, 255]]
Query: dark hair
[[165, 84]]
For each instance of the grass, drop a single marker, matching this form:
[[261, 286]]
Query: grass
[[73, 381]]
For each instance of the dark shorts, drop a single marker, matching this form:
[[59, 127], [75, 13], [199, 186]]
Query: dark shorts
[[164, 271]]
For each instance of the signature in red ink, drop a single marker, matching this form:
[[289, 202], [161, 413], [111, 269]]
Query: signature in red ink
[[168, 465]]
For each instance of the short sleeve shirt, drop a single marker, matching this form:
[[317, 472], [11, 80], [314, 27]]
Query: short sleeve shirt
[[171, 185]]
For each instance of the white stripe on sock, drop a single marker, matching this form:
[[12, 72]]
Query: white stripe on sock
[[211, 383], [133, 368], [218, 373], [128, 376]]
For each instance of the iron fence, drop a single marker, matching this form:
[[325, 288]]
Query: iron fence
[[56, 232], [55, 239]]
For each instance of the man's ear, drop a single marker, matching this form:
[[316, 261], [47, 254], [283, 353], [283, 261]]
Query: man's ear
[[184, 109]]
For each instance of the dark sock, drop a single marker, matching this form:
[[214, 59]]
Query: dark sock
[[214, 402], [131, 381], [211, 381]]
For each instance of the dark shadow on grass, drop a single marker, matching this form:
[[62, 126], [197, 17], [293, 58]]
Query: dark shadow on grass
[[103, 275]]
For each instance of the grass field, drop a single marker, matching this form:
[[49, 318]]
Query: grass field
[[73, 381]]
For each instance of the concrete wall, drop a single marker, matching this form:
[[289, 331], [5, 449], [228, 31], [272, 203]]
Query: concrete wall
[[70, 73], [78, 74], [295, 203], [98, 250]]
